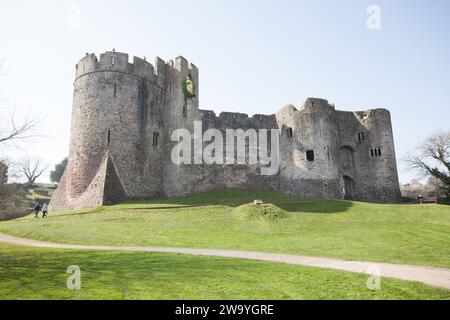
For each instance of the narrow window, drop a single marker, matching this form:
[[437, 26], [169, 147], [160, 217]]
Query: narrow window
[[372, 153], [289, 133], [184, 111], [115, 89], [310, 155], [113, 61], [108, 139], [379, 152], [361, 136], [170, 86], [155, 138]]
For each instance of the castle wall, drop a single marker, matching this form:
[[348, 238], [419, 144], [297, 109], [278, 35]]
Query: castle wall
[[124, 115], [237, 175]]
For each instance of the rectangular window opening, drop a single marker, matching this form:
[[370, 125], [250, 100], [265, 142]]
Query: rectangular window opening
[[290, 133], [310, 155], [361, 136]]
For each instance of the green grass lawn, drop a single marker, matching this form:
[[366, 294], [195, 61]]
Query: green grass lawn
[[30, 273], [411, 234]]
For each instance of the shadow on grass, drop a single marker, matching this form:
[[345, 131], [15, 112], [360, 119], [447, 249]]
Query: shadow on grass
[[236, 197]]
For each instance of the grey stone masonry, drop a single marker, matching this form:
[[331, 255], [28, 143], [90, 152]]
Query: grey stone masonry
[[124, 114]]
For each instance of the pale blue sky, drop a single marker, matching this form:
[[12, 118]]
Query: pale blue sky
[[253, 56]]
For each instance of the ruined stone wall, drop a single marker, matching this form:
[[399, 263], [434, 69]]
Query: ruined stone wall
[[121, 145], [235, 175]]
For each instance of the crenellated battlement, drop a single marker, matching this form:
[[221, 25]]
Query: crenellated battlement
[[236, 118], [114, 61]]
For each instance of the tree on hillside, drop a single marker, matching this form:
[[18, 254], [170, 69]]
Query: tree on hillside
[[432, 158], [56, 175], [32, 169], [3, 173]]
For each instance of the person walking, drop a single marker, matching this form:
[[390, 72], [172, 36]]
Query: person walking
[[37, 208], [420, 199], [44, 210]]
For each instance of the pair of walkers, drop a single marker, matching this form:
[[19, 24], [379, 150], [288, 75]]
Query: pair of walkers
[[38, 208]]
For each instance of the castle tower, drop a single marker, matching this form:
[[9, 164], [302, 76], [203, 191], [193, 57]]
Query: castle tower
[[308, 149], [116, 117]]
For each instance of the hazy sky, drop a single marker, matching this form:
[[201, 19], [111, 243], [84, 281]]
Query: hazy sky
[[253, 56]]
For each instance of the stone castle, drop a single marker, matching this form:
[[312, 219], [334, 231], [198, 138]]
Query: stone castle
[[120, 147]]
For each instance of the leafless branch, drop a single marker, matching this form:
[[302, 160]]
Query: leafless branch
[[21, 131]]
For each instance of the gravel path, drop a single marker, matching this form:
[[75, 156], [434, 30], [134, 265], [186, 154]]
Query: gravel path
[[437, 277]]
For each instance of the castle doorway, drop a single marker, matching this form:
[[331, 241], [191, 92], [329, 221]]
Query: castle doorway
[[347, 160], [348, 188]]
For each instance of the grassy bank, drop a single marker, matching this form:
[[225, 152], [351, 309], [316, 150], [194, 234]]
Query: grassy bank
[[411, 234]]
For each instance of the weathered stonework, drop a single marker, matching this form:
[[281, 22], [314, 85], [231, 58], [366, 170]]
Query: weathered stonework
[[124, 114]]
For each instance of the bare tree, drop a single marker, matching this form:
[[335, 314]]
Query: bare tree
[[32, 169], [432, 158], [11, 130]]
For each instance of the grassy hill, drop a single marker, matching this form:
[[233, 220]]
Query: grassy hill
[[412, 234]]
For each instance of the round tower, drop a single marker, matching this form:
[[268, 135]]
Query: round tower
[[116, 111]]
